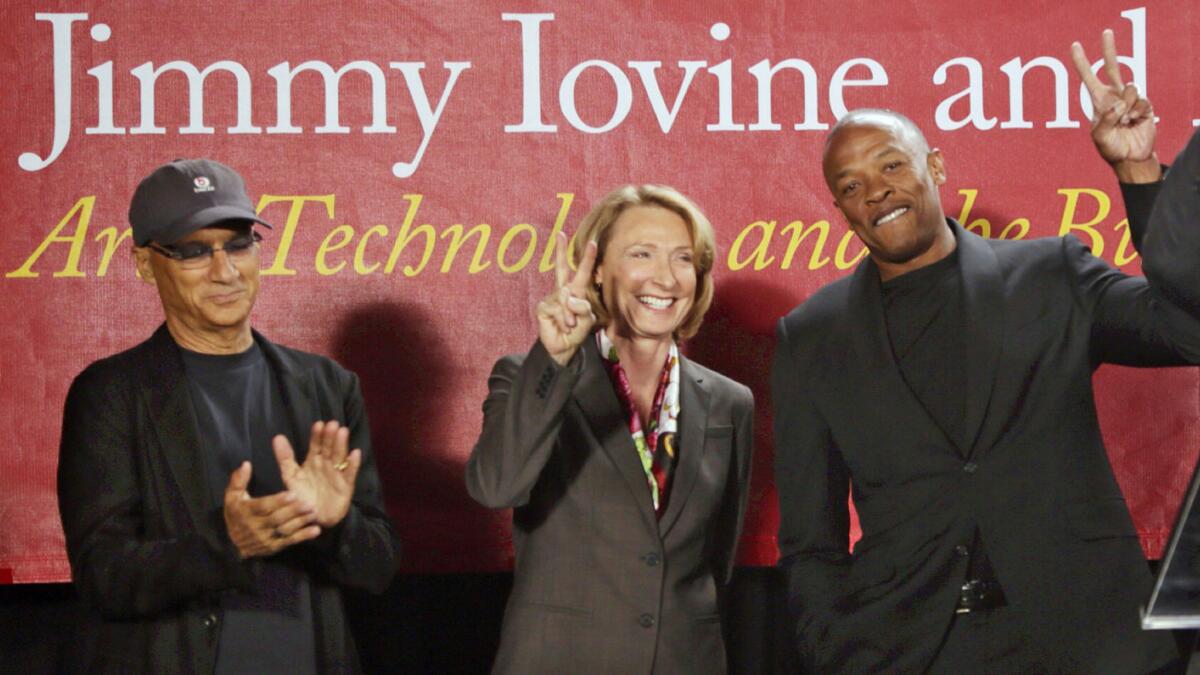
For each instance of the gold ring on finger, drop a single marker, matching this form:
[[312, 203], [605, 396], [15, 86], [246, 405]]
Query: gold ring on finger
[[341, 466]]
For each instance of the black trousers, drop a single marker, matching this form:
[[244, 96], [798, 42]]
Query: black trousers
[[990, 641], [987, 641]]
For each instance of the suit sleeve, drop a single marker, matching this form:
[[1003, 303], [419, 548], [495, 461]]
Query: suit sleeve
[[1152, 320], [813, 486], [522, 416], [1171, 245], [364, 548], [737, 488], [1139, 202], [118, 566]]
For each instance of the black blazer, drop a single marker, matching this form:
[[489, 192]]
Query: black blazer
[[149, 554], [1034, 477], [601, 585]]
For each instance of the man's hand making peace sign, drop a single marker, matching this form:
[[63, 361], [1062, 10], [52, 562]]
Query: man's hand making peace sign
[[1122, 122]]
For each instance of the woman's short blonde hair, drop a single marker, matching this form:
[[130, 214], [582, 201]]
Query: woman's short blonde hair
[[597, 226]]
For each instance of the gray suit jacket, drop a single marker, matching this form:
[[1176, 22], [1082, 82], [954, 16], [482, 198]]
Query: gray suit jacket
[[601, 585]]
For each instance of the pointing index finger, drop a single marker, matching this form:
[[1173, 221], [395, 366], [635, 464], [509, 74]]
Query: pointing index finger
[[583, 275], [561, 270]]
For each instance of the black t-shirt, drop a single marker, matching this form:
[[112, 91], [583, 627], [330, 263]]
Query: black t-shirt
[[923, 311], [239, 410]]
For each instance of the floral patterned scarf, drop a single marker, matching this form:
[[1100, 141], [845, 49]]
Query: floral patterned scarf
[[656, 443]]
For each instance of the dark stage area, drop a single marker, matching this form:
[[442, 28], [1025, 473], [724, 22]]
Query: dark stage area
[[438, 623], [422, 624]]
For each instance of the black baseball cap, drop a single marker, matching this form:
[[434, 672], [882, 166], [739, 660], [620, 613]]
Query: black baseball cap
[[184, 196]]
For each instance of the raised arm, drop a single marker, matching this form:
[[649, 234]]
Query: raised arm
[[523, 410], [1123, 131], [1151, 320], [1171, 255], [1123, 127]]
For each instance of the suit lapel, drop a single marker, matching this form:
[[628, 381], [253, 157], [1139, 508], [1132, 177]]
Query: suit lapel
[[297, 397], [693, 420], [983, 311], [174, 422], [595, 396]]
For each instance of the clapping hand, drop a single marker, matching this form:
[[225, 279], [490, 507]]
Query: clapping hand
[[1123, 126], [565, 316], [317, 496], [262, 526], [326, 479]]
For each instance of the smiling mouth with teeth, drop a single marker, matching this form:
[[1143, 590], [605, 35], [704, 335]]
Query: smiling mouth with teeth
[[656, 303], [891, 216]]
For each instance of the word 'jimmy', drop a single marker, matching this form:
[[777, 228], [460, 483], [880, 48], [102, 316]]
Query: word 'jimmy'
[[598, 114]]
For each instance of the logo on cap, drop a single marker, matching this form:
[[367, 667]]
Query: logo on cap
[[203, 184]]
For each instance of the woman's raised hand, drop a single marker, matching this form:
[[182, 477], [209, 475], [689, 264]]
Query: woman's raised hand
[[565, 316]]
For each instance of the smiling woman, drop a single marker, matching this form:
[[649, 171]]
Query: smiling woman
[[626, 465], [648, 275], [651, 234]]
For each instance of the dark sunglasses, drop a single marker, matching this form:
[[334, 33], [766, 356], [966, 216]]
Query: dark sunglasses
[[193, 254]]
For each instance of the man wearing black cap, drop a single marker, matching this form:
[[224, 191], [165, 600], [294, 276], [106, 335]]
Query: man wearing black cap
[[199, 539]]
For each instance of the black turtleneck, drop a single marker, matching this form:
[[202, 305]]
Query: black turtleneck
[[923, 311]]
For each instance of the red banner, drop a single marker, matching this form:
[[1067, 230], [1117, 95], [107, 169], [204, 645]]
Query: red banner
[[417, 157]]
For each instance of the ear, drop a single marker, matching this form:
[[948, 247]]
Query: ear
[[937, 166], [141, 258]]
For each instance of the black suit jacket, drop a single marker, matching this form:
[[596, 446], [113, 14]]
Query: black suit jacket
[[602, 586], [149, 554], [1034, 476]]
